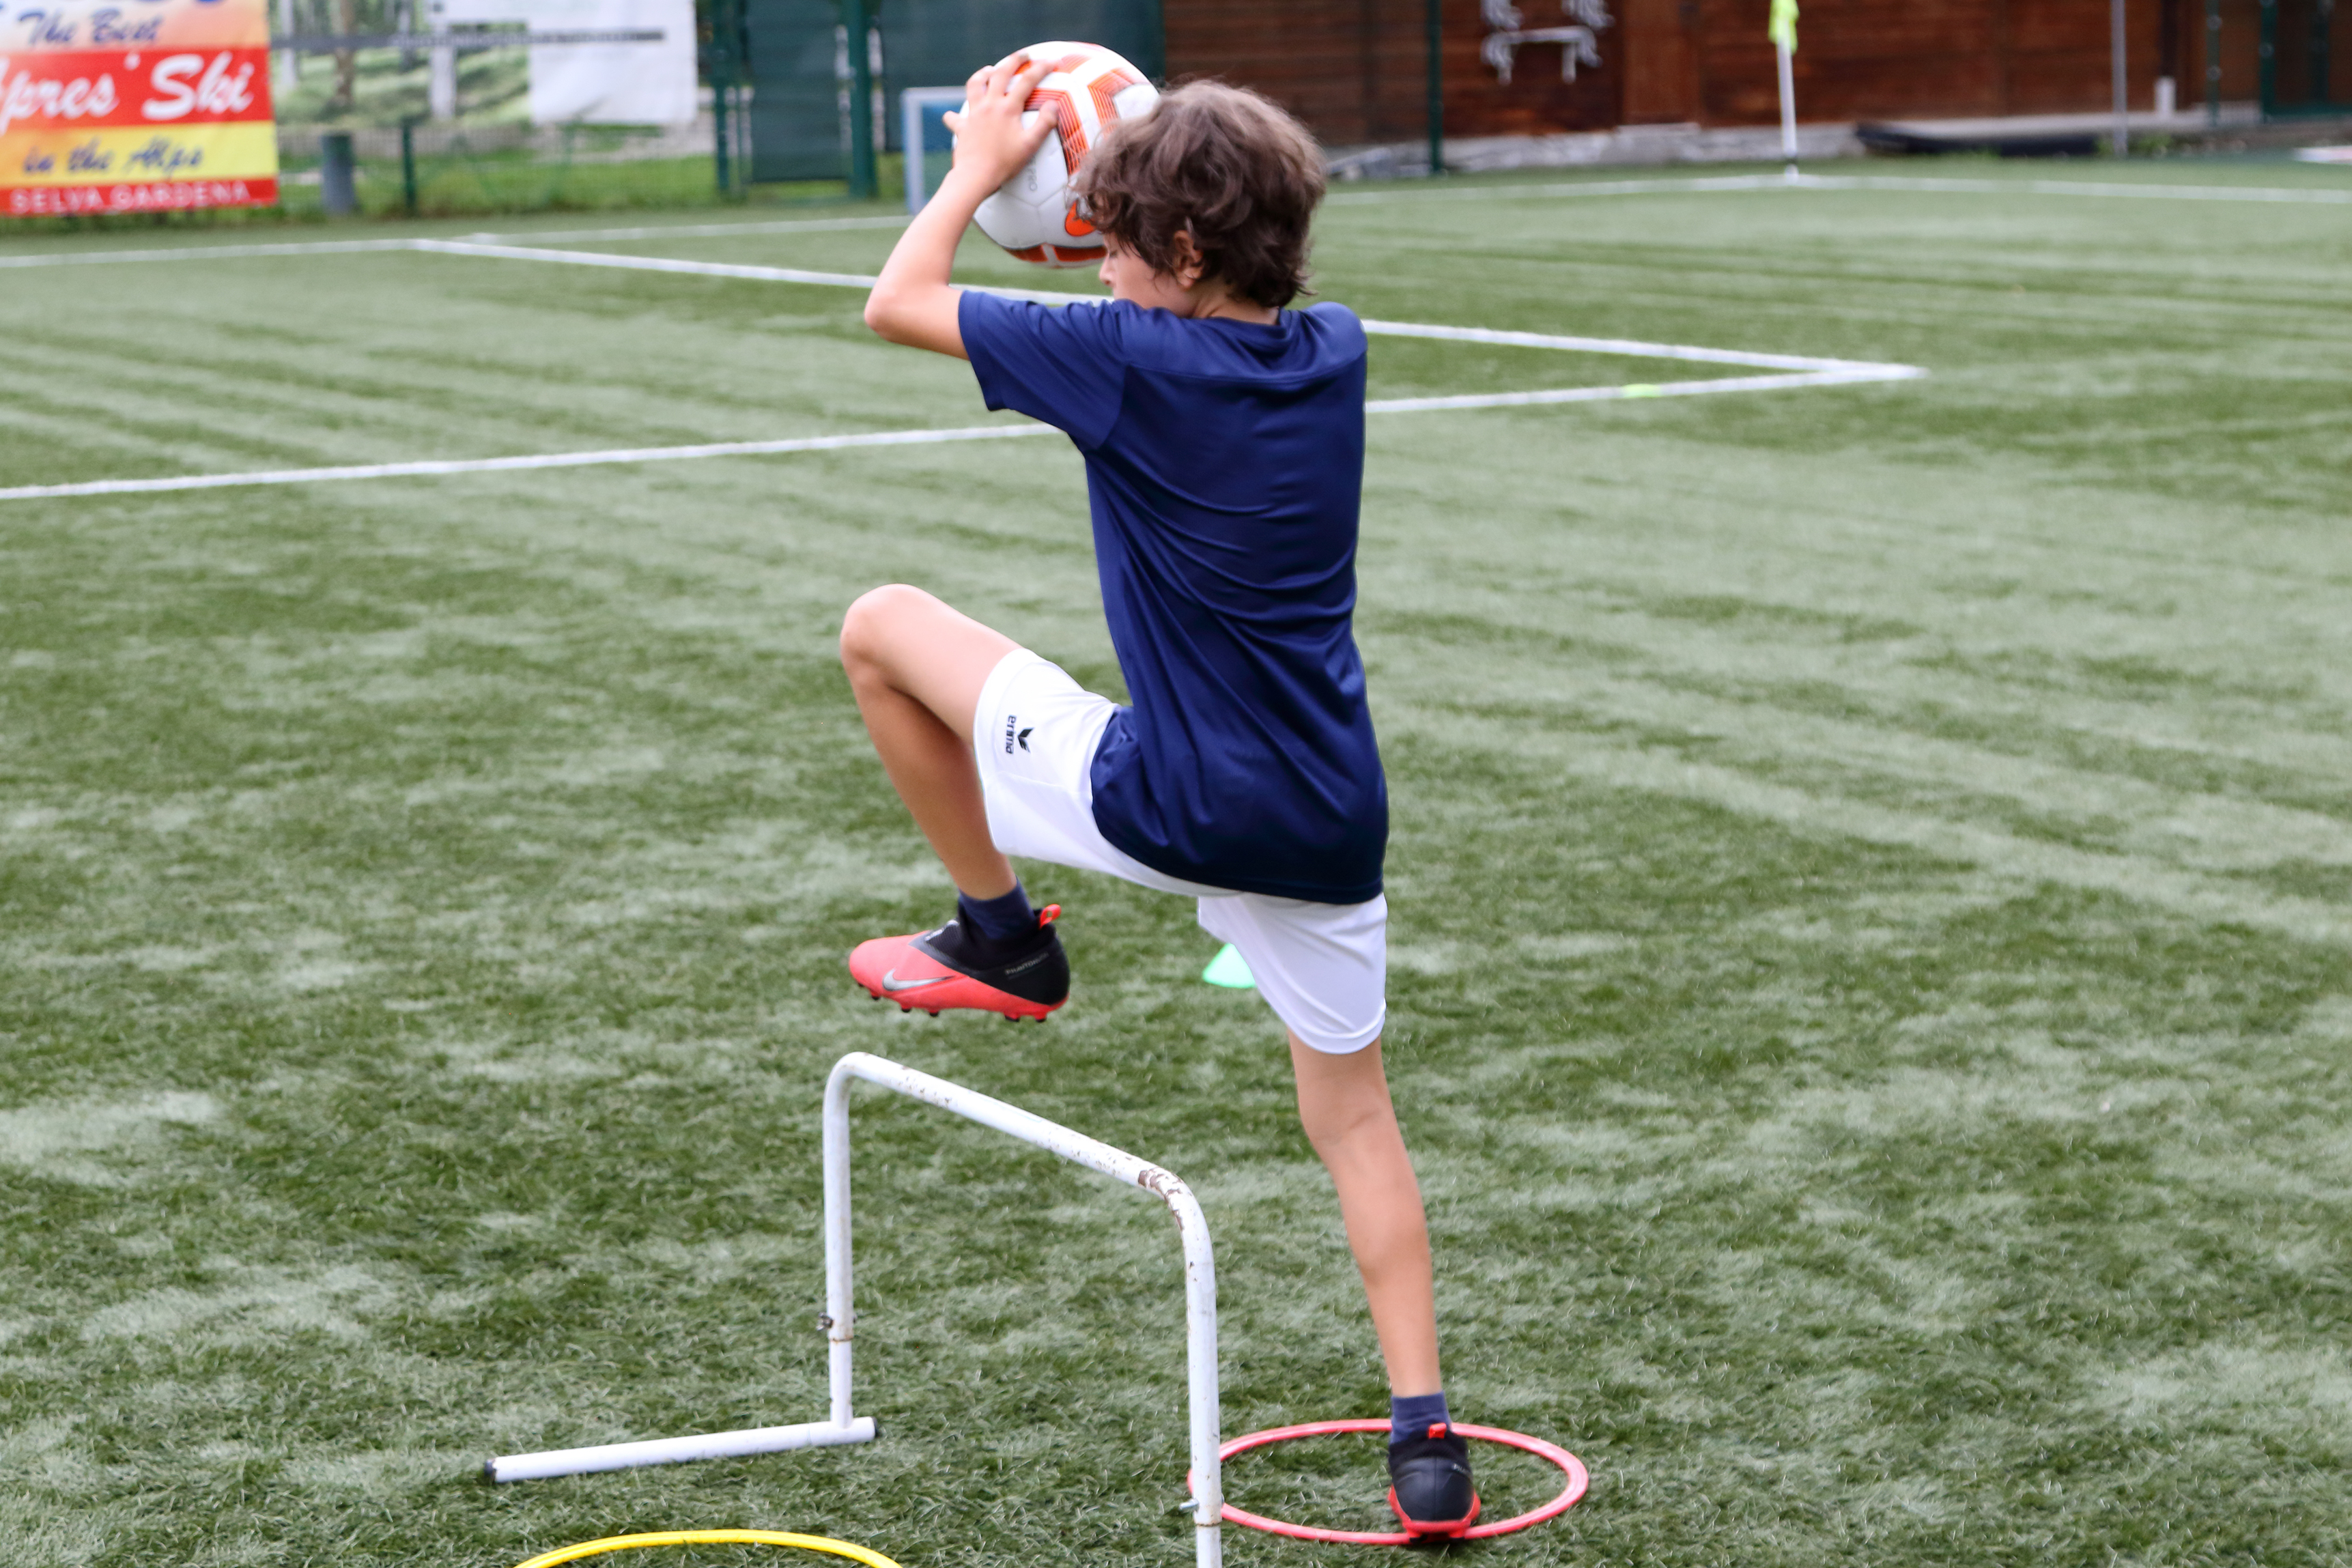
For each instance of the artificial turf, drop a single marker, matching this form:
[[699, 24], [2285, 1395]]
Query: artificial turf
[[1872, 883]]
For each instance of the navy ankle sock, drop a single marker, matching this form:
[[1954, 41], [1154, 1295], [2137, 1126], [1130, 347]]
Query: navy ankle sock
[[1002, 922], [1415, 1414]]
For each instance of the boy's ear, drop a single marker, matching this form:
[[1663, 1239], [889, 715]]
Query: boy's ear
[[1191, 265]]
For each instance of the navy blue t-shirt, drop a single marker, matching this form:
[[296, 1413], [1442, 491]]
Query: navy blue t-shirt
[[1224, 469]]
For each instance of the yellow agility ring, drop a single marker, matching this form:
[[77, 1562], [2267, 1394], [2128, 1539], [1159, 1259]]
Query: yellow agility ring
[[710, 1537]]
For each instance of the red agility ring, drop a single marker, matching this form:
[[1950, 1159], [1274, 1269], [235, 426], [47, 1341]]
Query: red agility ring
[[1569, 1465]]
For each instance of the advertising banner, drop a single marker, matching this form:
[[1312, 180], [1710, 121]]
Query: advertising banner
[[599, 84], [133, 106]]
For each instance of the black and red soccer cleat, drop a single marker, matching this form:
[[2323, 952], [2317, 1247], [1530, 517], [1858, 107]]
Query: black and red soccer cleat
[[1429, 1483], [951, 968]]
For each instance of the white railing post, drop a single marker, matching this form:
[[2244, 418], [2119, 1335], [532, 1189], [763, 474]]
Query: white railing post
[[1201, 1378], [840, 1310]]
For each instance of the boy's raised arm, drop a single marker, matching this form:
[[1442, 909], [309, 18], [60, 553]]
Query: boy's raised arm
[[913, 302]]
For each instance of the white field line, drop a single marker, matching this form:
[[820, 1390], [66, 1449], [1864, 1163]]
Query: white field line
[[1623, 347], [347, 247], [1839, 378], [1579, 188], [206, 252], [510, 465], [717, 269], [438, 466], [2270, 194], [1632, 348], [2257, 194], [701, 231], [643, 263], [1627, 347], [1799, 371], [726, 269]]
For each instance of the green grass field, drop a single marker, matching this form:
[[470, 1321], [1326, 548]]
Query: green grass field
[[1872, 983]]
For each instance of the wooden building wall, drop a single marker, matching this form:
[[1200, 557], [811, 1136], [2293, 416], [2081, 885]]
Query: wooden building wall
[[1354, 69], [2308, 73], [1876, 59]]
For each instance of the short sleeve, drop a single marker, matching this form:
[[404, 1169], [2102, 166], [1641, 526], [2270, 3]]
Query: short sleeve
[[1060, 364]]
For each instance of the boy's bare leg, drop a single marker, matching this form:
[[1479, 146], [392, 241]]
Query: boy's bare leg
[[1343, 1101], [916, 667]]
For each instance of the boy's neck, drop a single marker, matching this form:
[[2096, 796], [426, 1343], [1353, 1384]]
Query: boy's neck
[[1215, 303], [1207, 299]]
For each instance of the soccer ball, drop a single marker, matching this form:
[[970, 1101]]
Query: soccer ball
[[1032, 213]]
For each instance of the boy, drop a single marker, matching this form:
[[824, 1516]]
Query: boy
[[1225, 444]]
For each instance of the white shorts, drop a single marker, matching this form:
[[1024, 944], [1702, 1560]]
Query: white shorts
[[1323, 967]]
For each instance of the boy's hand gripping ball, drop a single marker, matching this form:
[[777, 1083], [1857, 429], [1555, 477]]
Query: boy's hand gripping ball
[[1033, 214]]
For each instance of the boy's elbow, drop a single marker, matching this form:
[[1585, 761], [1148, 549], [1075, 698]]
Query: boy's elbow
[[885, 315], [916, 317]]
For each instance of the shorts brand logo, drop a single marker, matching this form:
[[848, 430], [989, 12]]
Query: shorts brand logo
[[1010, 722], [1025, 738]]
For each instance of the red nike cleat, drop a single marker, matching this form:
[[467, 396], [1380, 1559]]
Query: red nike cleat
[[937, 970]]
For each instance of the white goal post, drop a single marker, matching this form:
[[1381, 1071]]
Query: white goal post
[[917, 105], [840, 1315]]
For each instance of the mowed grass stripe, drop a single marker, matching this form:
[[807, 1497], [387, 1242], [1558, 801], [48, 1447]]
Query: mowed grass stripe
[[1936, 680], [2147, 820], [368, 384], [381, 369], [1809, 808], [1838, 266], [1705, 697], [526, 463]]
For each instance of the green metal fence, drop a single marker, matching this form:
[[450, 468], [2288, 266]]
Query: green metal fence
[[2301, 73], [803, 77]]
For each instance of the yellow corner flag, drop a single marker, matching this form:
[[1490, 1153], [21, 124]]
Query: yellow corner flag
[[1782, 28]]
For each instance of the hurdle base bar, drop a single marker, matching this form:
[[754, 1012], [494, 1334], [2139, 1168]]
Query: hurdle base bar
[[676, 1450]]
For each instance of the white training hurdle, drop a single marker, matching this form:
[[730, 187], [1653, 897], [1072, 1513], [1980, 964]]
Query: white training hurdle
[[840, 1318]]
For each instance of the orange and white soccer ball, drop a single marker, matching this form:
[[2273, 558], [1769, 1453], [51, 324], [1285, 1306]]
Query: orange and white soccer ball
[[1033, 214]]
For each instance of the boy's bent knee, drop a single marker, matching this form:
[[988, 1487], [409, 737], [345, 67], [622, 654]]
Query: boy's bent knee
[[866, 627], [902, 639]]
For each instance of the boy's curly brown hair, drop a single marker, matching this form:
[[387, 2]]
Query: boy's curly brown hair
[[1223, 164]]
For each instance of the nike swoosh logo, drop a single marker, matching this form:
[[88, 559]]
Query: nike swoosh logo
[[891, 982]]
